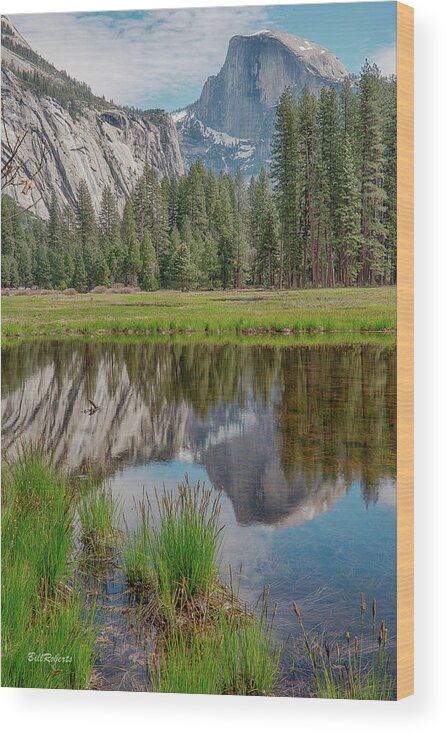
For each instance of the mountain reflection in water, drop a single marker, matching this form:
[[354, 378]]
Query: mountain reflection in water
[[300, 440], [283, 431]]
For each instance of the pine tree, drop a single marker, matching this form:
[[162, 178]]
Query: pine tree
[[149, 276], [348, 217], [131, 247], [327, 170], [192, 199], [24, 266], [266, 240], [10, 215], [41, 267], [389, 112], [349, 114], [7, 260], [68, 232], [241, 221], [110, 235], [150, 210], [170, 193], [101, 269], [224, 225], [307, 146], [10, 277], [211, 196], [181, 269], [85, 216], [108, 214], [285, 173], [372, 176], [210, 264], [55, 246], [169, 265], [80, 281], [69, 267]]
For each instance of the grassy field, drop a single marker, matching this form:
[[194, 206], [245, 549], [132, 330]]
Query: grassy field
[[48, 636], [244, 313]]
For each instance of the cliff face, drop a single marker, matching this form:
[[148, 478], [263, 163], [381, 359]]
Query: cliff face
[[256, 71], [95, 141], [240, 101]]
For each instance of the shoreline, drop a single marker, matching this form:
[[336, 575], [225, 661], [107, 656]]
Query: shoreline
[[347, 313]]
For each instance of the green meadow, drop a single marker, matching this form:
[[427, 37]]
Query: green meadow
[[350, 311]]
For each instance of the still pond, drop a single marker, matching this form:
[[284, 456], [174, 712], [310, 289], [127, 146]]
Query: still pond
[[299, 440]]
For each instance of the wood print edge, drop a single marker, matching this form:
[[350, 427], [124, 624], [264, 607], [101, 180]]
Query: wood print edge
[[405, 351]]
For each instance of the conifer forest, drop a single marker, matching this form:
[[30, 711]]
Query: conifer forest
[[323, 215]]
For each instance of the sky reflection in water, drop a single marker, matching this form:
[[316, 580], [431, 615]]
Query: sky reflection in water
[[301, 441]]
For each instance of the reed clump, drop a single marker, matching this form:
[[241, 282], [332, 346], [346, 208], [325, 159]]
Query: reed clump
[[358, 668], [233, 656], [184, 544], [174, 551], [208, 642], [47, 637], [99, 511], [136, 557]]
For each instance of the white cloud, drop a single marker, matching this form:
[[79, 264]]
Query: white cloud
[[385, 58], [142, 57]]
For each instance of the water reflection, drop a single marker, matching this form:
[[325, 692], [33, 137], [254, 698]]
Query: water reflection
[[301, 441], [283, 431]]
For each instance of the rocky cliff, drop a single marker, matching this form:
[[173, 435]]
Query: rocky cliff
[[231, 124], [82, 136]]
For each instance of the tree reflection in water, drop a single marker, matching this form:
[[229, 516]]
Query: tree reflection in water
[[284, 430]]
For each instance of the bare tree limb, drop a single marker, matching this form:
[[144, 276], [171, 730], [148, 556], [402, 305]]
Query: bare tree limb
[[18, 172]]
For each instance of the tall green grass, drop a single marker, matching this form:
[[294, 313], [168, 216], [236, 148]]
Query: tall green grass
[[232, 656], [250, 658], [175, 549], [41, 615], [136, 556], [358, 669], [99, 511], [208, 642], [184, 544]]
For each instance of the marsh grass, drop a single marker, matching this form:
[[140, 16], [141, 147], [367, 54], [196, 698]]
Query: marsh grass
[[251, 659], [99, 512], [37, 517], [207, 640], [40, 613], [357, 669], [136, 558], [234, 656], [184, 544], [174, 549]]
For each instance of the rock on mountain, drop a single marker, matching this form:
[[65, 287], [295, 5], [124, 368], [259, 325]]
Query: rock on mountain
[[231, 124], [82, 135]]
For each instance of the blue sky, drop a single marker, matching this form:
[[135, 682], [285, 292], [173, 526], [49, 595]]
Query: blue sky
[[161, 58]]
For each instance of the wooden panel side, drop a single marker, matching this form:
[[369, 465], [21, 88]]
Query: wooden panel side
[[405, 351]]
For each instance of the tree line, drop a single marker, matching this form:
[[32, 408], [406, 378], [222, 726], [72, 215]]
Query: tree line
[[334, 174], [325, 215]]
